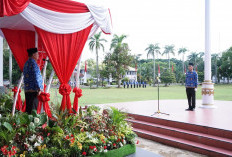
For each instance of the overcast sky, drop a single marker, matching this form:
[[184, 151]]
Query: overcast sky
[[177, 22]]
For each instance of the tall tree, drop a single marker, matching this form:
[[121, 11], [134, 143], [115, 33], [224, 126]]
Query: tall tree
[[120, 59], [193, 57], [169, 49], [151, 50], [226, 66], [96, 43], [137, 64], [214, 58], [182, 52]]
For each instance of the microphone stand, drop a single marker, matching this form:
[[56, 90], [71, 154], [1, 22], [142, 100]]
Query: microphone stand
[[158, 111]]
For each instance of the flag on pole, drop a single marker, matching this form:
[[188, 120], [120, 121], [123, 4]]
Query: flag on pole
[[158, 70], [172, 68], [135, 67], [85, 77], [184, 69]]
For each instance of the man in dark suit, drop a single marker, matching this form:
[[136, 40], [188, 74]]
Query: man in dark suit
[[191, 82]]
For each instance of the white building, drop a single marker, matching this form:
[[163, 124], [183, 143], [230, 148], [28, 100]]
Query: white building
[[131, 73]]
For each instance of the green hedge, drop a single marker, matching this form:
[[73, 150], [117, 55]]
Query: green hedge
[[121, 152]]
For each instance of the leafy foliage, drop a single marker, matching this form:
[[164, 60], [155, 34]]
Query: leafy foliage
[[92, 131]]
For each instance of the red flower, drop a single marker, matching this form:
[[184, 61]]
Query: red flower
[[105, 147], [94, 146], [90, 147], [114, 145], [73, 140], [137, 142], [26, 146], [67, 137], [44, 125], [84, 153], [48, 134], [72, 135], [4, 150], [9, 154]]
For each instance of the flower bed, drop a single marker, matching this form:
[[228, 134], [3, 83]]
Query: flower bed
[[94, 132]]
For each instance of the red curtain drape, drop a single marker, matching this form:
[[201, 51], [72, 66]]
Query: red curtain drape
[[64, 51], [12, 7], [19, 41], [78, 94], [64, 6], [19, 102], [43, 100]]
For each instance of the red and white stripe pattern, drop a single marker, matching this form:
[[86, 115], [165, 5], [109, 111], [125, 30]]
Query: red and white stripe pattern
[[59, 16]]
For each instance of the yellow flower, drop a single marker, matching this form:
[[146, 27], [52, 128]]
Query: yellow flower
[[22, 155], [102, 137], [24, 152], [39, 147], [121, 135], [71, 144], [44, 146], [79, 145]]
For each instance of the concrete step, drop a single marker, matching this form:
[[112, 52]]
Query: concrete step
[[183, 143], [197, 137], [226, 134]]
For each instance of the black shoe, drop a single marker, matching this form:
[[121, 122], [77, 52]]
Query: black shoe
[[189, 109]]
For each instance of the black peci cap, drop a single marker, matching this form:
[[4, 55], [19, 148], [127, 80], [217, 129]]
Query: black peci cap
[[31, 51], [191, 64]]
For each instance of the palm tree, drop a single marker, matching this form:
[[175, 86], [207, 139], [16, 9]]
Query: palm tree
[[151, 51], [182, 51], [169, 49], [117, 41], [193, 57], [119, 47], [137, 61], [96, 43]]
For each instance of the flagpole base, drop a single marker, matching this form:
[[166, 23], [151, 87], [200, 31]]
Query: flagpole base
[[207, 94]]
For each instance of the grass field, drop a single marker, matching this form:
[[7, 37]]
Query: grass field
[[113, 95]]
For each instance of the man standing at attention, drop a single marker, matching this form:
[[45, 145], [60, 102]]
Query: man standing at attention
[[33, 81], [191, 82]]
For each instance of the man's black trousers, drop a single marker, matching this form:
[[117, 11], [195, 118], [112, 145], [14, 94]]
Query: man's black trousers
[[191, 95], [31, 101]]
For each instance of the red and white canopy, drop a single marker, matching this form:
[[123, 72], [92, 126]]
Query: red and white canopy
[[62, 28], [56, 16]]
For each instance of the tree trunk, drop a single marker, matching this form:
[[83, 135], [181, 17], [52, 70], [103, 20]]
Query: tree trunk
[[154, 68], [183, 64], [119, 82], [97, 65]]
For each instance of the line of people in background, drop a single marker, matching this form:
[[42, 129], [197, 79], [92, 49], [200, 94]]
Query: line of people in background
[[131, 84]]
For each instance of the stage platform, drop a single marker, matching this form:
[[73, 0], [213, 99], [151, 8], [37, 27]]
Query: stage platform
[[220, 117], [205, 131]]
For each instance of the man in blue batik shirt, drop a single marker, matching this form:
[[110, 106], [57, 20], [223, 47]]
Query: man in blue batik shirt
[[191, 82], [33, 82]]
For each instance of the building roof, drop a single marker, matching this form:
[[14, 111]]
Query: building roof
[[131, 69]]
